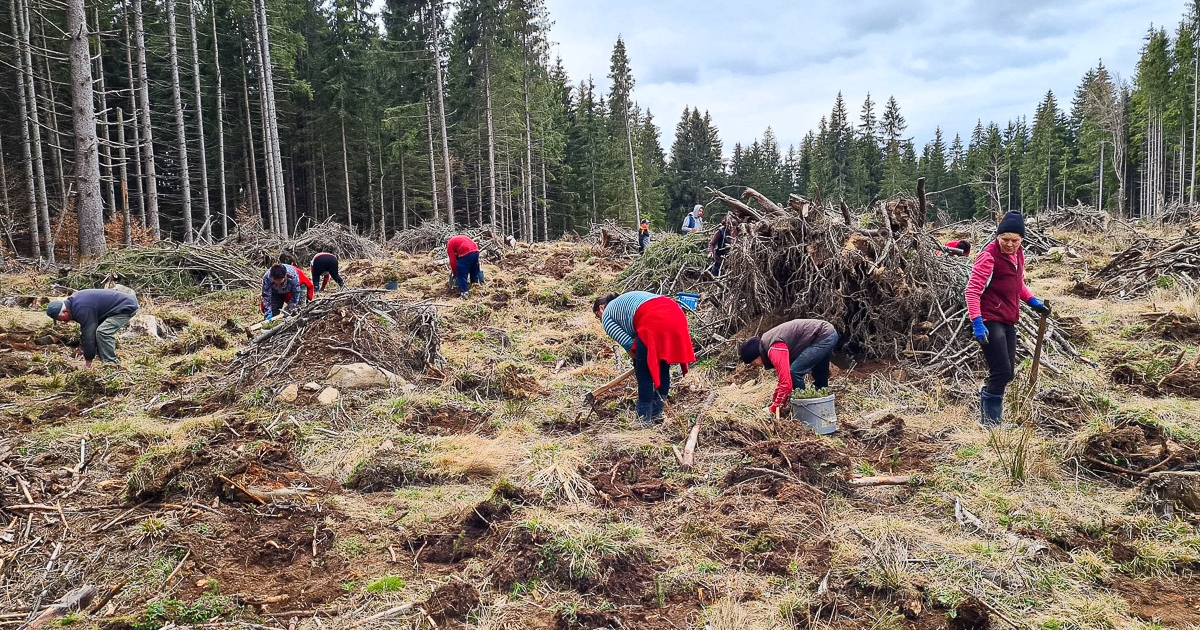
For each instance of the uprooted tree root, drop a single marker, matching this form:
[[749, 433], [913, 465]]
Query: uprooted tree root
[[1132, 450]]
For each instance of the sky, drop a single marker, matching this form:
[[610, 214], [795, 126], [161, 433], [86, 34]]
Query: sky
[[781, 63]]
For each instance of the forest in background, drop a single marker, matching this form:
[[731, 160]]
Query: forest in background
[[209, 114]]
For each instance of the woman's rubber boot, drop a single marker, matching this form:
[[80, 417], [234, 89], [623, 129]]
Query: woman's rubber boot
[[991, 409], [658, 408], [645, 412]]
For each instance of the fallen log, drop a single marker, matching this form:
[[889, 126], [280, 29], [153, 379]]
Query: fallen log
[[883, 480], [77, 599]]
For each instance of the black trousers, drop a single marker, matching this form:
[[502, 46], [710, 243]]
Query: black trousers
[[1000, 352], [325, 265]]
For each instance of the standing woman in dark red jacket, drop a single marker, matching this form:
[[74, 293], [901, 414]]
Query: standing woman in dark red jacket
[[994, 295]]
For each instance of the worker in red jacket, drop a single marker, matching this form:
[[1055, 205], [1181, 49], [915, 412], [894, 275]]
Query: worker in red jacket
[[793, 349], [464, 262]]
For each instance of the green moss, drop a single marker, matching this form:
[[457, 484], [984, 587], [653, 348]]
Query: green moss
[[386, 584]]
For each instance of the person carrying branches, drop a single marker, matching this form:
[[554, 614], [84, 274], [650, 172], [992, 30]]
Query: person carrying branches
[[654, 331], [323, 267], [101, 314], [793, 349], [464, 262], [285, 288], [994, 295]]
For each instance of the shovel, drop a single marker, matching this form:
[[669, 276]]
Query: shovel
[[590, 398], [1037, 353]]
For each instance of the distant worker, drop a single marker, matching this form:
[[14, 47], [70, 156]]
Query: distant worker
[[793, 349], [654, 331], [464, 262], [720, 244], [285, 288], [994, 295], [958, 248], [643, 236], [101, 314], [325, 266], [694, 221]]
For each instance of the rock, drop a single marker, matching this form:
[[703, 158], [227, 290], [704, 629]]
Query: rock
[[289, 394], [312, 387], [328, 396], [362, 375], [143, 325]]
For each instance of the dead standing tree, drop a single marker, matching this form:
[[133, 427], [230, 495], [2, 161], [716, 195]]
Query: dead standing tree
[[87, 165]]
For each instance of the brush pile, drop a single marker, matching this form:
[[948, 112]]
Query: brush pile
[[265, 248], [168, 269], [1078, 218], [619, 239], [879, 277], [675, 263], [1146, 264], [350, 326], [432, 235]]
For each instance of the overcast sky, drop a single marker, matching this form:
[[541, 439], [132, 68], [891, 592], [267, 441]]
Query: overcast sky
[[781, 63]]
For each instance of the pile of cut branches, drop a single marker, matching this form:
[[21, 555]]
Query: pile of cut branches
[[675, 263], [432, 235], [879, 277], [1079, 218], [1146, 264], [330, 236], [350, 326], [619, 239], [168, 269]]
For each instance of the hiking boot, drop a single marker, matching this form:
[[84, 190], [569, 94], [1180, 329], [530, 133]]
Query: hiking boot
[[991, 408]]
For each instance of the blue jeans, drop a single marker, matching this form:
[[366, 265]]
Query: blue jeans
[[468, 267], [650, 398], [814, 359]]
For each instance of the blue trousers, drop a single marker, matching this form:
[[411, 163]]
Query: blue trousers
[[814, 359], [468, 267], [650, 398]]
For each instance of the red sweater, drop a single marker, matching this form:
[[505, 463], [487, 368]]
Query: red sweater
[[997, 286], [458, 246]]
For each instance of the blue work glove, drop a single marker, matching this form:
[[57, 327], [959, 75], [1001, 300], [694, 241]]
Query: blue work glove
[[1039, 306], [981, 331], [270, 315]]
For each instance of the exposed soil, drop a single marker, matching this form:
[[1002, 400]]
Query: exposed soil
[[1133, 448], [1175, 327], [185, 408], [971, 614], [388, 469], [628, 479], [451, 602], [883, 440], [448, 419], [810, 461], [1166, 600], [459, 538]]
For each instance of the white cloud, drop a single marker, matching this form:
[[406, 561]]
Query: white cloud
[[781, 64]]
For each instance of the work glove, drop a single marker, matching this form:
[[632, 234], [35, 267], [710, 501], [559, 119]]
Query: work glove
[[1040, 307], [981, 331], [270, 315]]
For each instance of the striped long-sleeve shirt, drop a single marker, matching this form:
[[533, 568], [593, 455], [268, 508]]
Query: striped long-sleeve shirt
[[618, 316]]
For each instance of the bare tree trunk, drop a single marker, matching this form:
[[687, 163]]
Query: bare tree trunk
[[437, 66], [275, 163], [144, 120], [432, 162], [56, 139], [382, 205], [202, 149], [89, 206], [403, 195], [527, 182], [35, 246], [346, 170], [491, 141], [1100, 195], [370, 190], [185, 179], [108, 179], [40, 201], [220, 126], [4, 185], [137, 133], [273, 210], [126, 219], [546, 206], [1195, 101], [325, 183], [637, 208], [252, 156]]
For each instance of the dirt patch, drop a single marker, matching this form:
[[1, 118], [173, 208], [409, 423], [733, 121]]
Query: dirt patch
[[971, 614], [507, 380], [451, 602], [460, 537], [888, 445], [810, 461], [257, 557], [185, 408], [1170, 601], [628, 479], [13, 365], [388, 469], [449, 419], [1175, 327]]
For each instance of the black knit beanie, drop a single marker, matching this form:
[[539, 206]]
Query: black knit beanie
[[1012, 223], [751, 349]]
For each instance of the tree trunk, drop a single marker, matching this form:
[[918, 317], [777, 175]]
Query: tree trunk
[[89, 206], [255, 206], [432, 162], [35, 246], [491, 139], [370, 191], [144, 120], [346, 171], [137, 134], [56, 139], [185, 180], [403, 195], [202, 149], [527, 182], [546, 205], [637, 209], [276, 160], [1195, 94], [40, 201], [382, 205], [437, 66], [220, 127], [108, 180], [123, 181], [273, 210], [325, 183]]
